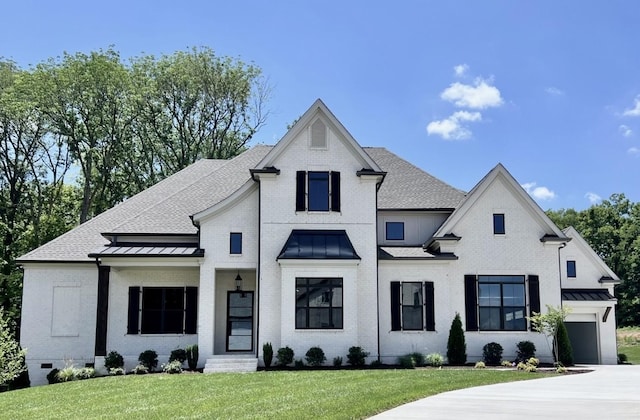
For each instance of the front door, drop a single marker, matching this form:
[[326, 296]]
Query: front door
[[239, 321]]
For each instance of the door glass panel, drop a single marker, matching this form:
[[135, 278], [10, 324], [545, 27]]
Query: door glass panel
[[240, 321]]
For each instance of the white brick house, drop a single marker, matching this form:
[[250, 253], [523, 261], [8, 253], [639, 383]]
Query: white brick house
[[315, 241]]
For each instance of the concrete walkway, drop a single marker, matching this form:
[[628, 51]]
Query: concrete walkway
[[609, 392]]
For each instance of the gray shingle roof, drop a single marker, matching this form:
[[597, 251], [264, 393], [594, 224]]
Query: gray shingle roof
[[408, 187], [166, 206]]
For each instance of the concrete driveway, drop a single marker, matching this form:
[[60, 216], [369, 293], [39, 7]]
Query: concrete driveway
[[609, 392]]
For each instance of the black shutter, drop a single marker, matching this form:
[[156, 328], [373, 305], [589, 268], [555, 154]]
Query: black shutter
[[102, 312], [191, 310], [471, 303], [301, 188], [395, 306], [429, 300], [534, 294], [335, 191], [134, 310]]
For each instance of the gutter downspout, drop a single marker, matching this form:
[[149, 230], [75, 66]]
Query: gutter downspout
[[562, 245]]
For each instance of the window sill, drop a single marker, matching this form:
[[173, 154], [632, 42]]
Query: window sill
[[303, 330]]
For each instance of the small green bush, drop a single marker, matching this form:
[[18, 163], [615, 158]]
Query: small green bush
[[52, 377], [116, 371], [419, 358], [530, 368], [561, 369], [356, 356], [506, 363], [192, 356], [298, 364], [479, 365], [533, 361], [113, 360], [622, 358], [456, 345], [337, 361], [565, 351], [178, 354], [407, 361], [85, 373], [315, 356], [174, 366], [267, 354], [492, 353], [376, 363], [521, 366], [149, 359], [285, 356], [140, 370], [526, 350], [435, 359], [67, 374]]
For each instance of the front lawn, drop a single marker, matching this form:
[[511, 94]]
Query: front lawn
[[282, 394], [629, 343]]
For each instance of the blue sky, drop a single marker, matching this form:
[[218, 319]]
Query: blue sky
[[549, 89]]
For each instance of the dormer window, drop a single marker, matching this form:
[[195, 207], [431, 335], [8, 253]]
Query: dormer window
[[317, 191]]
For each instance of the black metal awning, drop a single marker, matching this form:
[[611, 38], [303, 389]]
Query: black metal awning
[[318, 245], [586, 295]]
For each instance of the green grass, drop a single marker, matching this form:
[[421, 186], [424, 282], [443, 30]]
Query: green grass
[[281, 395], [629, 343], [632, 352]]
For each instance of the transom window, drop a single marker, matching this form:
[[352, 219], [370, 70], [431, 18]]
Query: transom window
[[394, 231], [501, 302], [319, 303], [498, 224], [571, 268]]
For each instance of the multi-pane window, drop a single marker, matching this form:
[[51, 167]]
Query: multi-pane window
[[162, 310], [412, 306], [317, 191], [571, 268], [498, 224], [235, 243], [319, 303], [394, 231], [501, 303]]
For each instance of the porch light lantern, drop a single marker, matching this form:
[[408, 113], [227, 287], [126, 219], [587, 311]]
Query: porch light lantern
[[238, 282]]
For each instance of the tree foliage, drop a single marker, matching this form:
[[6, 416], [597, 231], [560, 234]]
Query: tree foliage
[[550, 325], [456, 345], [11, 355], [82, 132], [612, 228]]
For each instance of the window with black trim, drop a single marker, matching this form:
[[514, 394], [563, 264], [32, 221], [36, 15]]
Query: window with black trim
[[235, 243], [318, 303], [501, 303], [162, 310], [498, 224], [394, 231], [317, 191], [412, 306], [571, 268]]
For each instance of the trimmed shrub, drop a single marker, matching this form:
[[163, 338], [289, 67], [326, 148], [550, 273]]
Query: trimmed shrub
[[52, 377], [298, 364], [565, 351], [192, 356], [116, 371], [337, 361], [492, 353], [149, 359], [267, 354], [67, 374], [376, 363], [622, 358], [174, 366], [284, 356], [85, 373], [419, 358], [479, 365], [21, 382], [456, 345], [113, 360], [435, 359], [356, 356], [179, 355], [526, 350], [315, 356], [506, 363], [407, 361]]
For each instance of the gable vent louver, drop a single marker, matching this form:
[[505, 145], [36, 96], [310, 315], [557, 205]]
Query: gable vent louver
[[318, 135]]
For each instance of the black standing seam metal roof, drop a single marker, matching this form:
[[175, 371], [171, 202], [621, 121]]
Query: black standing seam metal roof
[[586, 295], [318, 245]]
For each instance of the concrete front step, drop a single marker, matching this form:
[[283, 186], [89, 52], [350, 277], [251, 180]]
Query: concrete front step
[[231, 363]]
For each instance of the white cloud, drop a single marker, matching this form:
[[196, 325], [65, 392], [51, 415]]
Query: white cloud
[[451, 128], [593, 197], [460, 70], [539, 193], [635, 111], [625, 130], [634, 151], [479, 96], [551, 90]]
